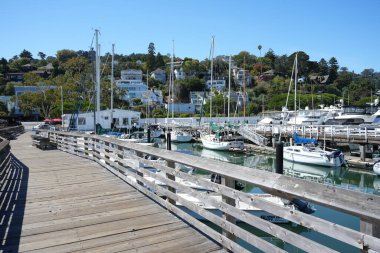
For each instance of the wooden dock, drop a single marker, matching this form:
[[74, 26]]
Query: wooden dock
[[52, 201]]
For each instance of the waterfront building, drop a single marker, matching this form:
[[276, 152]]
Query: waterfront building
[[121, 119], [131, 74]]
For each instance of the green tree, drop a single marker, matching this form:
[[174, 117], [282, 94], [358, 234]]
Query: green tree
[[4, 68], [183, 87], [160, 61], [333, 69], [151, 58], [272, 57], [32, 79], [75, 65], [42, 55], [323, 67], [26, 54], [65, 54]]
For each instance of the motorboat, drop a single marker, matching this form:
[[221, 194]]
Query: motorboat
[[178, 135], [216, 142], [306, 152]]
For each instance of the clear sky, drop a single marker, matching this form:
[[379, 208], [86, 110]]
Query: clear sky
[[346, 29]]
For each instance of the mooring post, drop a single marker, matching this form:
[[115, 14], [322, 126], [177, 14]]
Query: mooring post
[[280, 157], [148, 134], [362, 149], [168, 141]]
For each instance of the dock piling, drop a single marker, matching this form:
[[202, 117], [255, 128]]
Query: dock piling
[[279, 157]]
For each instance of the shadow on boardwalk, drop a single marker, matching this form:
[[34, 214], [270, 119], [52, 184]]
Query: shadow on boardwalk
[[13, 190]]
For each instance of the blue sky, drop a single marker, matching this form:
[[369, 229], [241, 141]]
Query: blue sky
[[348, 30]]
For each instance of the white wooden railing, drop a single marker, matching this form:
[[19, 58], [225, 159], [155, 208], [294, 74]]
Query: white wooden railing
[[127, 161]]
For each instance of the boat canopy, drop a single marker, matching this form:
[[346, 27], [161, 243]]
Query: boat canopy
[[300, 140], [215, 128]]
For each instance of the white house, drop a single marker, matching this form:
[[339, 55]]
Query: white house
[[152, 96], [131, 74], [121, 119], [216, 84], [198, 99], [131, 82], [242, 77], [134, 88], [179, 74], [159, 75]]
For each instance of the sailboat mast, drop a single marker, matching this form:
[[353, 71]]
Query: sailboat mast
[[212, 67], [229, 86], [112, 80], [97, 69], [295, 87], [172, 77]]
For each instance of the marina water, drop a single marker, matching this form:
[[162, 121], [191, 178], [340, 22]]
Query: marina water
[[349, 178]]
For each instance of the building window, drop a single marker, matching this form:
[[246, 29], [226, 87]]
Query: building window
[[134, 121], [116, 121], [106, 117], [125, 121], [81, 121]]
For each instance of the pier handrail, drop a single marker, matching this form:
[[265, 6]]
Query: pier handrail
[[346, 133], [127, 160]]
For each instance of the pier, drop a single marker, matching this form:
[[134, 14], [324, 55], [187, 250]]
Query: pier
[[93, 194]]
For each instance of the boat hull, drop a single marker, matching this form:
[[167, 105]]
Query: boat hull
[[313, 158], [210, 142]]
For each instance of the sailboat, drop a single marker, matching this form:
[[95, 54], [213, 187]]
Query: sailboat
[[306, 151], [177, 134], [216, 141]]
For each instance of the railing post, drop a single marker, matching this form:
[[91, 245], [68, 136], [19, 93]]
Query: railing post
[[171, 165], [229, 182], [369, 228]]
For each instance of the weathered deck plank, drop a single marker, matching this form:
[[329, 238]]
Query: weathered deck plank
[[64, 203]]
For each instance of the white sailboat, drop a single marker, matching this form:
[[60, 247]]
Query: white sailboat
[[177, 134], [307, 153], [215, 140]]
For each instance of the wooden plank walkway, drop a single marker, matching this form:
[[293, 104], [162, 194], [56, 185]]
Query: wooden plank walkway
[[52, 201]]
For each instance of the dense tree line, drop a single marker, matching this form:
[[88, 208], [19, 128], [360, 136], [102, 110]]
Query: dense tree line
[[72, 70]]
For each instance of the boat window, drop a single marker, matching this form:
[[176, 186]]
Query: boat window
[[297, 150], [376, 120], [289, 149]]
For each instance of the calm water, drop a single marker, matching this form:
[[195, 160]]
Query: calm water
[[339, 177]]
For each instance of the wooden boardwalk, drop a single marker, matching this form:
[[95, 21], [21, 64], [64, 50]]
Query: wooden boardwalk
[[52, 201]]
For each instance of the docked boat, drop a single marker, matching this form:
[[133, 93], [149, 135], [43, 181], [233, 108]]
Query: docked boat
[[376, 168], [216, 142], [307, 153], [178, 135]]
